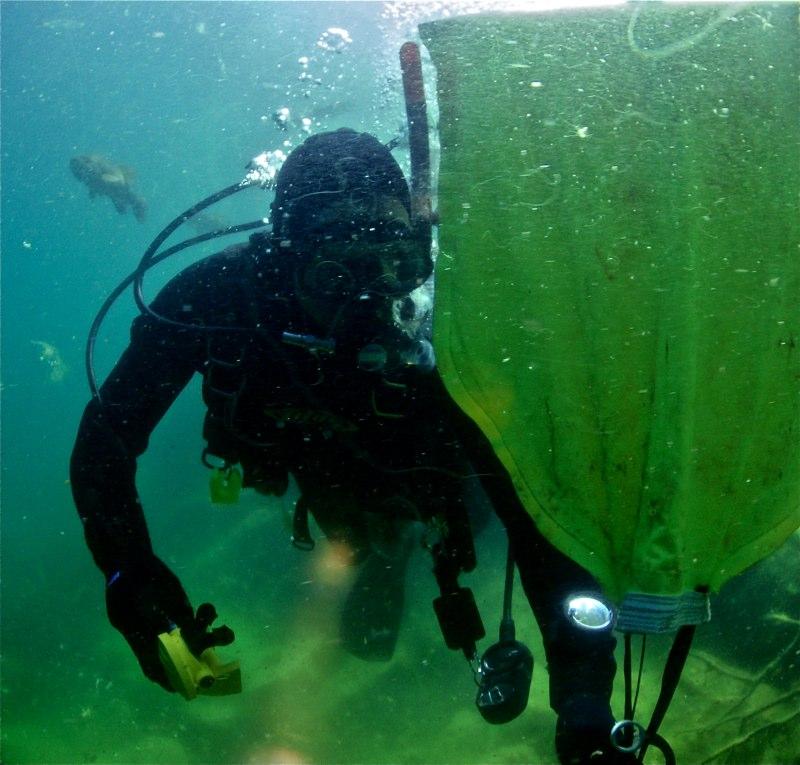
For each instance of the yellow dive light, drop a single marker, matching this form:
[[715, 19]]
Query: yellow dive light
[[190, 675]]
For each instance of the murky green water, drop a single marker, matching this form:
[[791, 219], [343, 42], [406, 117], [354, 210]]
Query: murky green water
[[185, 93]]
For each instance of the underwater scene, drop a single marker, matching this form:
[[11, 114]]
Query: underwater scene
[[617, 306]]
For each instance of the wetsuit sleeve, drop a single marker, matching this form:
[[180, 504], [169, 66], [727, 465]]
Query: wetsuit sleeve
[[115, 430]]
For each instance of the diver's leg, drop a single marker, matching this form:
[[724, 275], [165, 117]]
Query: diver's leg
[[381, 546], [373, 609]]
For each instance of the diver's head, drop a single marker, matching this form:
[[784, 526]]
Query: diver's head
[[342, 213]]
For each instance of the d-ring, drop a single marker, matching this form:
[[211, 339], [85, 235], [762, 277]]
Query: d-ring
[[621, 728]]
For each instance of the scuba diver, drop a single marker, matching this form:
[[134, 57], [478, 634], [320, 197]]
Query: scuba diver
[[310, 370]]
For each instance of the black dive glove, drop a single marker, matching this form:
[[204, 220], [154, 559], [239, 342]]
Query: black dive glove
[[147, 599], [199, 636]]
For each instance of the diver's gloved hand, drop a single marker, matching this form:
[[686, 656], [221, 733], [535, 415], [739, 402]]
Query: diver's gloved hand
[[199, 637], [583, 732], [144, 600]]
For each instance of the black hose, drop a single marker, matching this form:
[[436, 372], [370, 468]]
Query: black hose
[[659, 742], [128, 280], [507, 631], [669, 683], [150, 253], [626, 668]]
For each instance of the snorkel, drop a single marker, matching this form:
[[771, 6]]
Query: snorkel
[[422, 216]]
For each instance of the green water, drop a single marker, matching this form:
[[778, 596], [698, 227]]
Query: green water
[[184, 93]]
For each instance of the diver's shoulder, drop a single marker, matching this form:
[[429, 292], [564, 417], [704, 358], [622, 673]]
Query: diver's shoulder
[[236, 259], [257, 245], [226, 267], [213, 285]]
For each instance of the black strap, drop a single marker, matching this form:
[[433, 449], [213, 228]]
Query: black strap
[[507, 622], [669, 683], [628, 678]]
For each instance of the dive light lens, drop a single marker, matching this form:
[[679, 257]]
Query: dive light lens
[[589, 613]]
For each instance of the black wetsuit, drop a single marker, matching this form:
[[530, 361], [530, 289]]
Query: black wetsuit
[[358, 442]]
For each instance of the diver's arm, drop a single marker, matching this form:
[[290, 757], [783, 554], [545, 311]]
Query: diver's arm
[[113, 434], [143, 597], [157, 364], [102, 473]]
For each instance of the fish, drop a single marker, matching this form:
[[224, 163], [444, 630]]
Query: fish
[[107, 179], [51, 357]]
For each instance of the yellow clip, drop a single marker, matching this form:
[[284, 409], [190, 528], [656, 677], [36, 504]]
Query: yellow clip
[[191, 676], [225, 485]]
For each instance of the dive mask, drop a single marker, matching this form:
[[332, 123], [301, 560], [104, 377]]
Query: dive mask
[[388, 260]]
